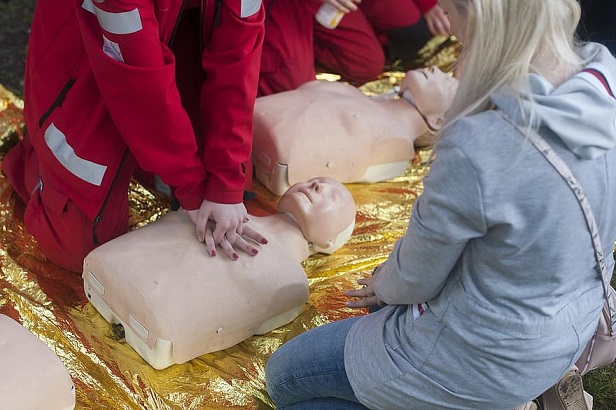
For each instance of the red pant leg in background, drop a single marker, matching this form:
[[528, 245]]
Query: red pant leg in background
[[353, 49], [385, 15], [288, 55], [64, 234]]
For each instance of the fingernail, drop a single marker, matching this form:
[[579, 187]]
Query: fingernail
[[264, 241], [235, 256], [254, 251], [213, 253], [200, 239]]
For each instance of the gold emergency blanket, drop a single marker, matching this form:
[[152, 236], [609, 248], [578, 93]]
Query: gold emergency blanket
[[108, 374]]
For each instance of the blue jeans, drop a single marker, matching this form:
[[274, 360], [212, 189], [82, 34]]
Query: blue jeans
[[308, 371]]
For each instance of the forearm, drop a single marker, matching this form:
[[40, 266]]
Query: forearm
[[416, 270], [231, 62], [447, 215], [135, 74]]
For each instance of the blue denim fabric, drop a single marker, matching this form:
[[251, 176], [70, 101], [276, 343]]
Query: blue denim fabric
[[308, 371]]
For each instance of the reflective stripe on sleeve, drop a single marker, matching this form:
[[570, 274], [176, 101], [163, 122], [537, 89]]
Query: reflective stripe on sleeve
[[82, 168], [249, 7], [126, 22], [87, 5]]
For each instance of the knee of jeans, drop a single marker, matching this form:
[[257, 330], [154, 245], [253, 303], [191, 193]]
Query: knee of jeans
[[273, 370], [279, 377]]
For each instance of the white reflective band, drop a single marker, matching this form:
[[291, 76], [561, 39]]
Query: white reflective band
[[87, 5], [116, 23], [82, 168], [249, 7]]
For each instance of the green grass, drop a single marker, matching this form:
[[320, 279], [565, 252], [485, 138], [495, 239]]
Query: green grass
[[15, 17], [601, 383]]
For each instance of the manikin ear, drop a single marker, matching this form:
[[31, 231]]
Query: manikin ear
[[329, 249], [435, 122], [334, 244], [427, 139]]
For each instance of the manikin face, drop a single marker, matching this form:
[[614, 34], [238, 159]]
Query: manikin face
[[321, 206], [431, 89]]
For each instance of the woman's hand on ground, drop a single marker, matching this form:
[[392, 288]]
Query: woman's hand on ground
[[365, 296]]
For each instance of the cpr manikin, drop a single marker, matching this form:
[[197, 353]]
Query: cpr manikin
[[176, 302], [32, 377], [333, 129]]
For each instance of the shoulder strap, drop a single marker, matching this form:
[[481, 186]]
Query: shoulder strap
[[563, 169]]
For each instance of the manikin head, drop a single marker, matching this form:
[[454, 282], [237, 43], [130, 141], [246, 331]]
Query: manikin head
[[324, 210], [431, 91]]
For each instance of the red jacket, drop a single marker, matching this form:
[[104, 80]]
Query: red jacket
[[100, 83], [425, 5]]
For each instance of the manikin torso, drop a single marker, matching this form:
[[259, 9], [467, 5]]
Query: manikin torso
[[182, 302], [32, 376], [332, 129]]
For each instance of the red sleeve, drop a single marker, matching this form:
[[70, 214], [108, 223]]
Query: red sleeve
[[425, 5], [135, 73], [231, 61]]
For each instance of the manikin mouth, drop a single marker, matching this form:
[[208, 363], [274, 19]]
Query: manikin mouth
[[306, 193]]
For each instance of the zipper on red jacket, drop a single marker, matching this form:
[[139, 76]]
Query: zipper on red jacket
[[177, 23], [57, 102], [268, 10], [202, 25], [217, 17], [216, 21], [99, 216]]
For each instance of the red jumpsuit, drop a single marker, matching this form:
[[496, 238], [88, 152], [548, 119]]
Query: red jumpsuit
[[288, 54], [354, 49], [294, 40], [101, 98]]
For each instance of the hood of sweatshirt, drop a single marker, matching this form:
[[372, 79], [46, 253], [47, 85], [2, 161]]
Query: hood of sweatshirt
[[581, 111]]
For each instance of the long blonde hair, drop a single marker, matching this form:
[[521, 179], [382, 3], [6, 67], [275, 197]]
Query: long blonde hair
[[505, 41]]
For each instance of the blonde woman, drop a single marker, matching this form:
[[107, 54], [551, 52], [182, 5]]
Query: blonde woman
[[493, 292]]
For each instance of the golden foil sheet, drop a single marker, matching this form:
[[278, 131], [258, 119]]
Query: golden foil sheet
[[108, 373], [11, 120]]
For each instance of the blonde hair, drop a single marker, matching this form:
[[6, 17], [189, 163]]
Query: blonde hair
[[505, 41]]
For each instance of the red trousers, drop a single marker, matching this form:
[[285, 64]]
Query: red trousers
[[354, 49], [63, 232], [294, 40], [288, 55]]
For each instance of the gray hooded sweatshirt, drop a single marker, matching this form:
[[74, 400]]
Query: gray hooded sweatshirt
[[498, 247]]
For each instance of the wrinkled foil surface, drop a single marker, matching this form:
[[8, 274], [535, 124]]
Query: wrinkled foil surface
[[107, 372]]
